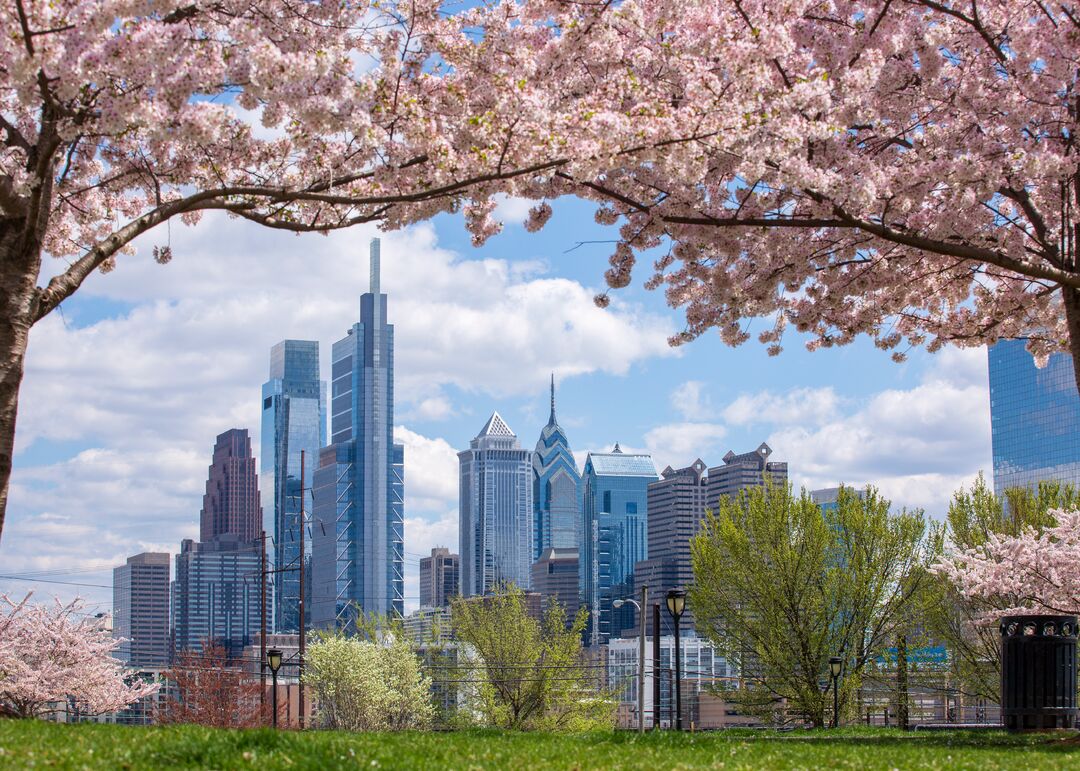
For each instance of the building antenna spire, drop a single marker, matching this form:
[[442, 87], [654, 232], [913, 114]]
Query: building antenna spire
[[552, 418], [375, 267]]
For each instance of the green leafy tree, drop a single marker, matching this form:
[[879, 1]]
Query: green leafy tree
[[782, 584], [947, 615], [373, 684], [528, 674]]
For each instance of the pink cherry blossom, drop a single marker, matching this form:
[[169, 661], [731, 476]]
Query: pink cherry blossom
[[1029, 573], [51, 652]]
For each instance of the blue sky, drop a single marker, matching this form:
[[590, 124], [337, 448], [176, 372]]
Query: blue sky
[[127, 389]]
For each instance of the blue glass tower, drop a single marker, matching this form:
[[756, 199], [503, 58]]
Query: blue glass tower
[[614, 533], [496, 510], [1034, 418], [293, 420], [556, 489], [357, 552]]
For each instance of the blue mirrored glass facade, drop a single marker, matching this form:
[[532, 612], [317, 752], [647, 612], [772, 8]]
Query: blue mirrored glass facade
[[614, 537], [358, 528], [293, 421], [496, 510], [1034, 417], [556, 489]]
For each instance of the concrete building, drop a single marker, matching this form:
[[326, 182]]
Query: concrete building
[[556, 489], [739, 472], [614, 518], [496, 506], [358, 528], [1034, 418], [293, 422], [440, 578], [555, 576], [141, 610]]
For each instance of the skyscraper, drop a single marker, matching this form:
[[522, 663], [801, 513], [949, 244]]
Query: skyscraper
[[141, 609], [231, 503], [677, 506], [357, 550], [555, 576], [614, 518], [496, 510], [556, 489], [440, 578], [1034, 418], [217, 594], [750, 469], [293, 420]]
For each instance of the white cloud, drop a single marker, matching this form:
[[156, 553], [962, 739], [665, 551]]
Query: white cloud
[[679, 444], [431, 472], [510, 210], [798, 406], [690, 400], [916, 445]]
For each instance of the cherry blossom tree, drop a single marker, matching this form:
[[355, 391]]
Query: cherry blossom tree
[[1034, 572], [904, 169], [49, 653]]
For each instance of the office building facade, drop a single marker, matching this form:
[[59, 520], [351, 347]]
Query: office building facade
[[217, 595], [677, 504], [556, 489], [293, 422], [1034, 418], [141, 610], [440, 578], [358, 530], [743, 471], [496, 510], [555, 577], [614, 533], [231, 505]]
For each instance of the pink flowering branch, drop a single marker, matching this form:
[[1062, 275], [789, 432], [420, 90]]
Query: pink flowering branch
[[1030, 573], [48, 654]]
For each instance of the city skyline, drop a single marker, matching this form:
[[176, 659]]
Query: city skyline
[[615, 374]]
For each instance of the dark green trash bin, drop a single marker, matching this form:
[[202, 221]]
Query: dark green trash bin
[[1038, 672]]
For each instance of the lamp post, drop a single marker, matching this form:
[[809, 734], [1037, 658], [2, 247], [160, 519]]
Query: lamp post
[[273, 660], [641, 652], [676, 604], [835, 665]]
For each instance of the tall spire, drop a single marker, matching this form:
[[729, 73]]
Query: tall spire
[[375, 267], [551, 420]]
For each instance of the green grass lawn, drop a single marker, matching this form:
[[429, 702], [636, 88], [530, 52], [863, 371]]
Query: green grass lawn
[[33, 744]]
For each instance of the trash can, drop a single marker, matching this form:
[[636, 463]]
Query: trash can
[[1038, 672]]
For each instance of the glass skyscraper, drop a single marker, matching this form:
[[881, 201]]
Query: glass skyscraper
[[614, 532], [496, 510], [357, 551], [293, 420], [1034, 418], [556, 489]]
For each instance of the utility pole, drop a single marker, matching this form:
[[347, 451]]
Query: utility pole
[[641, 659], [303, 628], [656, 665], [262, 622]]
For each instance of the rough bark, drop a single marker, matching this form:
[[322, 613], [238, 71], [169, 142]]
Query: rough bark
[[19, 267], [1071, 300]]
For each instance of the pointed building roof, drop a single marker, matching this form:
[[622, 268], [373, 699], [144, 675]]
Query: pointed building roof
[[496, 426]]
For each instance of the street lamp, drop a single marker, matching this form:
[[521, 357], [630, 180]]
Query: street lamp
[[676, 604], [641, 653], [835, 665], [273, 660]]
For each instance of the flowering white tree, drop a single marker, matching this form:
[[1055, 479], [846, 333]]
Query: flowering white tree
[[48, 655], [1034, 572], [366, 685]]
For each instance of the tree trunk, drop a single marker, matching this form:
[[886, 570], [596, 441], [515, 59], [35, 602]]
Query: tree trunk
[[1071, 300], [902, 682], [18, 298]]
